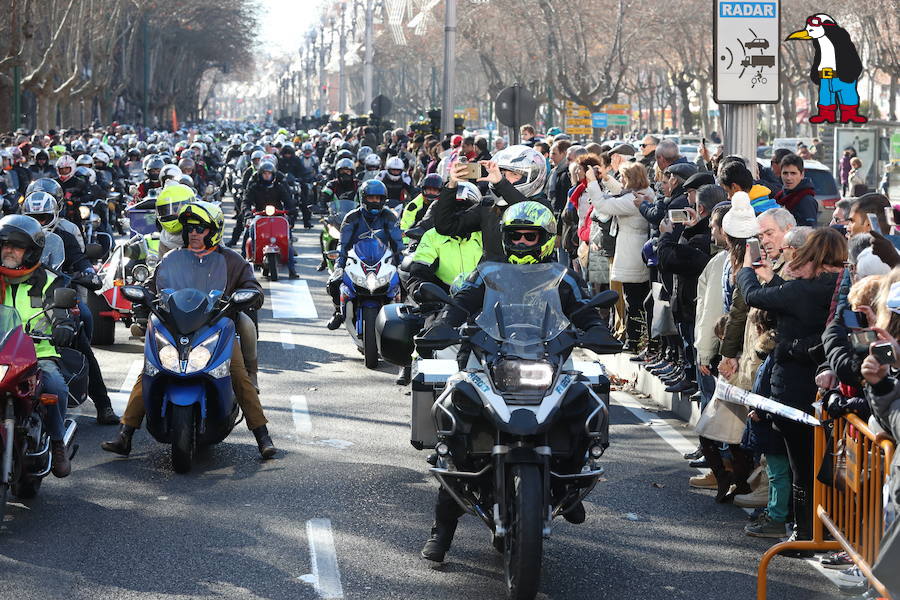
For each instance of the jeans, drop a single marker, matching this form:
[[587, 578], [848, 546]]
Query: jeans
[[834, 91], [54, 383], [687, 343], [707, 385], [778, 468]]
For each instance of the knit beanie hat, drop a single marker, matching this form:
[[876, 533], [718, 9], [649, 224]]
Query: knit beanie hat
[[740, 221]]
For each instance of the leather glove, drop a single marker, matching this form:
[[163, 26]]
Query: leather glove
[[63, 336], [89, 280]]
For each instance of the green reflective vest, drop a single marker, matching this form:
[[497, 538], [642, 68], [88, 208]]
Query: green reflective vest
[[27, 306], [454, 256]]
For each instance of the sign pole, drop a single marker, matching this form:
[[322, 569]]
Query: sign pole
[[447, 124], [739, 136]]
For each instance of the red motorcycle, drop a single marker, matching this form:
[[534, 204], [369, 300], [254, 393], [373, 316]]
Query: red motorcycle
[[25, 457], [269, 242]]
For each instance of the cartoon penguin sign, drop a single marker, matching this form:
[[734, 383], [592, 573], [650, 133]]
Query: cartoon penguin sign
[[835, 69]]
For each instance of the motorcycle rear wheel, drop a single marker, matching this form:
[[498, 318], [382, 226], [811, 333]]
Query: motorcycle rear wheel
[[183, 426], [525, 536], [370, 344]]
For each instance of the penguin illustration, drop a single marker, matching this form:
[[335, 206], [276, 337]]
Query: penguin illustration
[[835, 69]]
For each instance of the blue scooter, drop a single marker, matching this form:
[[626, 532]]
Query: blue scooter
[[188, 396]]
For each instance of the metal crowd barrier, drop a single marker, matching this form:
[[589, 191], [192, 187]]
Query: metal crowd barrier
[[851, 510]]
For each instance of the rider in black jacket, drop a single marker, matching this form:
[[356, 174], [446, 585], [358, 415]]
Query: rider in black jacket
[[267, 189], [292, 168]]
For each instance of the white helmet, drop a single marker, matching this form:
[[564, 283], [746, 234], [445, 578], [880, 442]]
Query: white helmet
[[101, 157], [470, 190], [372, 161], [394, 163], [526, 162]]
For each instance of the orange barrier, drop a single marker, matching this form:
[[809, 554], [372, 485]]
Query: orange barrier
[[851, 509]]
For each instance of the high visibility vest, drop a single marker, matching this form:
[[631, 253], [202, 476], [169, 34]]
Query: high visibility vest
[[455, 256], [28, 306]]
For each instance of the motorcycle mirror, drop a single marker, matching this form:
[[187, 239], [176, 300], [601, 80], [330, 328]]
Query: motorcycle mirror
[[244, 296], [604, 299], [65, 298], [134, 294], [93, 251]]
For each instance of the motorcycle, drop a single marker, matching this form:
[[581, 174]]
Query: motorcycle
[[330, 236], [25, 457], [92, 223], [269, 241], [187, 382], [518, 433], [370, 281]]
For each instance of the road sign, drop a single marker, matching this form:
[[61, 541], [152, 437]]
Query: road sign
[[381, 106], [618, 120], [895, 147], [598, 120], [746, 37], [578, 119], [491, 125], [515, 106], [471, 115]]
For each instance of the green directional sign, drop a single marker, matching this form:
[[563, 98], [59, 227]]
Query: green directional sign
[[895, 147]]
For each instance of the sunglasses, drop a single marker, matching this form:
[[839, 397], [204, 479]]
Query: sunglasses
[[195, 228], [528, 236]]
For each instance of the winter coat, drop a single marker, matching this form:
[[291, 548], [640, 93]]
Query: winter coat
[[845, 168], [684, 252], [768, 178], [709, 309], [801, 201], [760, 436], [656, 212], [260, 195], [801, 309], [559, 186], [633, 232]]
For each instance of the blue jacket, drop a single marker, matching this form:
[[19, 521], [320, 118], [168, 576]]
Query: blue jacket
[[384, 226]]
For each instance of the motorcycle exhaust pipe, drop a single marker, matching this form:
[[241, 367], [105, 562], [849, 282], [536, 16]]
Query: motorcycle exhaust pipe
[[69, 438], [9, 422]]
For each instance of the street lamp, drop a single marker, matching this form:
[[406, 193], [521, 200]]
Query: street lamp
[[342, 87]]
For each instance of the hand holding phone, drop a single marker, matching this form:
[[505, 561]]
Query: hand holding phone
[[755, 252], [855, 320], [874, 225], [679, 215], [883, 352]]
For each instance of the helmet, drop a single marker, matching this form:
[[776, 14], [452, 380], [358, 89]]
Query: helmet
[[168, 172], [432, 180], [134, 154], [152, 166], [186, 163], [373, 187], [45, 184], [184, 179], [78, 146], [87, 173], [394, 163], [526, 162], [345, 154], [372, 162], [246, 147], [101, 157], [471, 194], [169, 204], [532, 216], [307, 147], [287, 149], [257, 155], [65, 162], [344, 163], [43, 207], [24, 232], [206, 214], [267, 167], [362, 153], [84, 160], [336, 142]]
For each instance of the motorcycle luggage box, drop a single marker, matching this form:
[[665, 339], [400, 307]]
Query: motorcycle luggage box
[[395, 328], [431, 376]]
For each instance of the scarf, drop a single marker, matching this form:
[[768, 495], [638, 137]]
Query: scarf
[[7, 273], [791, 199], [202, 253]]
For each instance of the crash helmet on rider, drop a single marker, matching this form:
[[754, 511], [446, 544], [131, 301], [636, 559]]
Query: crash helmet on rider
[[152, 166], [287, 150], [101, 159], [87, 173], [372, 162], [344, 169], [374, 195], [467, 193], [362, 153], [84, 160], [247, 148], [344, 154], [529, 232], [256, 157], [524, 168], [168, 173], [202, 215], [65, 167], [45, 184], [307, 148], [43, 207], [394, 166], [134, 155], [186, 165], [169, 203], [26, 233], [431, 186], [185, 179], [266, 173]]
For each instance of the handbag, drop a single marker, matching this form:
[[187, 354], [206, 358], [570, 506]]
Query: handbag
[[663, 321]]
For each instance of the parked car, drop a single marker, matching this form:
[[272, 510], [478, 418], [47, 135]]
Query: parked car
[[827, 192]]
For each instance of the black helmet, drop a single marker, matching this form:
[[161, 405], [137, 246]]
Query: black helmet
[[45, 184], [23, 232]]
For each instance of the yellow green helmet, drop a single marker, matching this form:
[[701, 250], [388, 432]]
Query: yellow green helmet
[[207, 214], [169, 203], [529, 232]]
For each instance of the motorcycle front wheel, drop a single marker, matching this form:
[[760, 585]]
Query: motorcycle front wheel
[[524, 538], [370, 344], [182, 426]]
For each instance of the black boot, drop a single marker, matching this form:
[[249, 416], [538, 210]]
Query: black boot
[[322, 266], [264, 442], [405, 375], [337, 319], [713, 457], [439, 543], [802, 521], [105, 414], [60, 465], [122, 443]]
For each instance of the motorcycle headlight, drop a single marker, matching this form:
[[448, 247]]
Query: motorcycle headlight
[[518, 376], [140, 273], [201, 354], [84, 212], [372, 282], [168, 357], [95, 220]]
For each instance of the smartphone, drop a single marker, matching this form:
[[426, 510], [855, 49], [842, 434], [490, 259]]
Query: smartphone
[[873, 223], [473, 171], [703, 141], [855, 320], [883, 353], [755, 253], [863, 338], [679, 215]]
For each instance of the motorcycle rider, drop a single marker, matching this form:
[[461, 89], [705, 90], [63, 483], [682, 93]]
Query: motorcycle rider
[[415, 210], [202, 225], [28, 287], [292, 167], [41, 166], [527, 233], [309, 173], [399, 184], [344, 185], [75, 188], [52, 187], [371, 167], [372, 217], [153, 164], [267, 189]]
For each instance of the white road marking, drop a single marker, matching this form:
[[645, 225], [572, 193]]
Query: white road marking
[[300, 410], [292, 300], [325, 576], [662, 429], [287, 339], [120, 398]]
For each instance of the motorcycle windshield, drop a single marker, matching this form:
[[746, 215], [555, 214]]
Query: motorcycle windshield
[[142, 221], [340, 208], [369, 250], [521, 303], [54, 254], [9, 322], [189, 287]]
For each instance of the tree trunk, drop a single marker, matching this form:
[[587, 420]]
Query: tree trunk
[[651, 113], [892, 97], [44, 118], [6, 107], [687, 119], [704, 108]]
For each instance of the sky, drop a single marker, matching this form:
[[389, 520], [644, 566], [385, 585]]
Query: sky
[[286, 21]]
